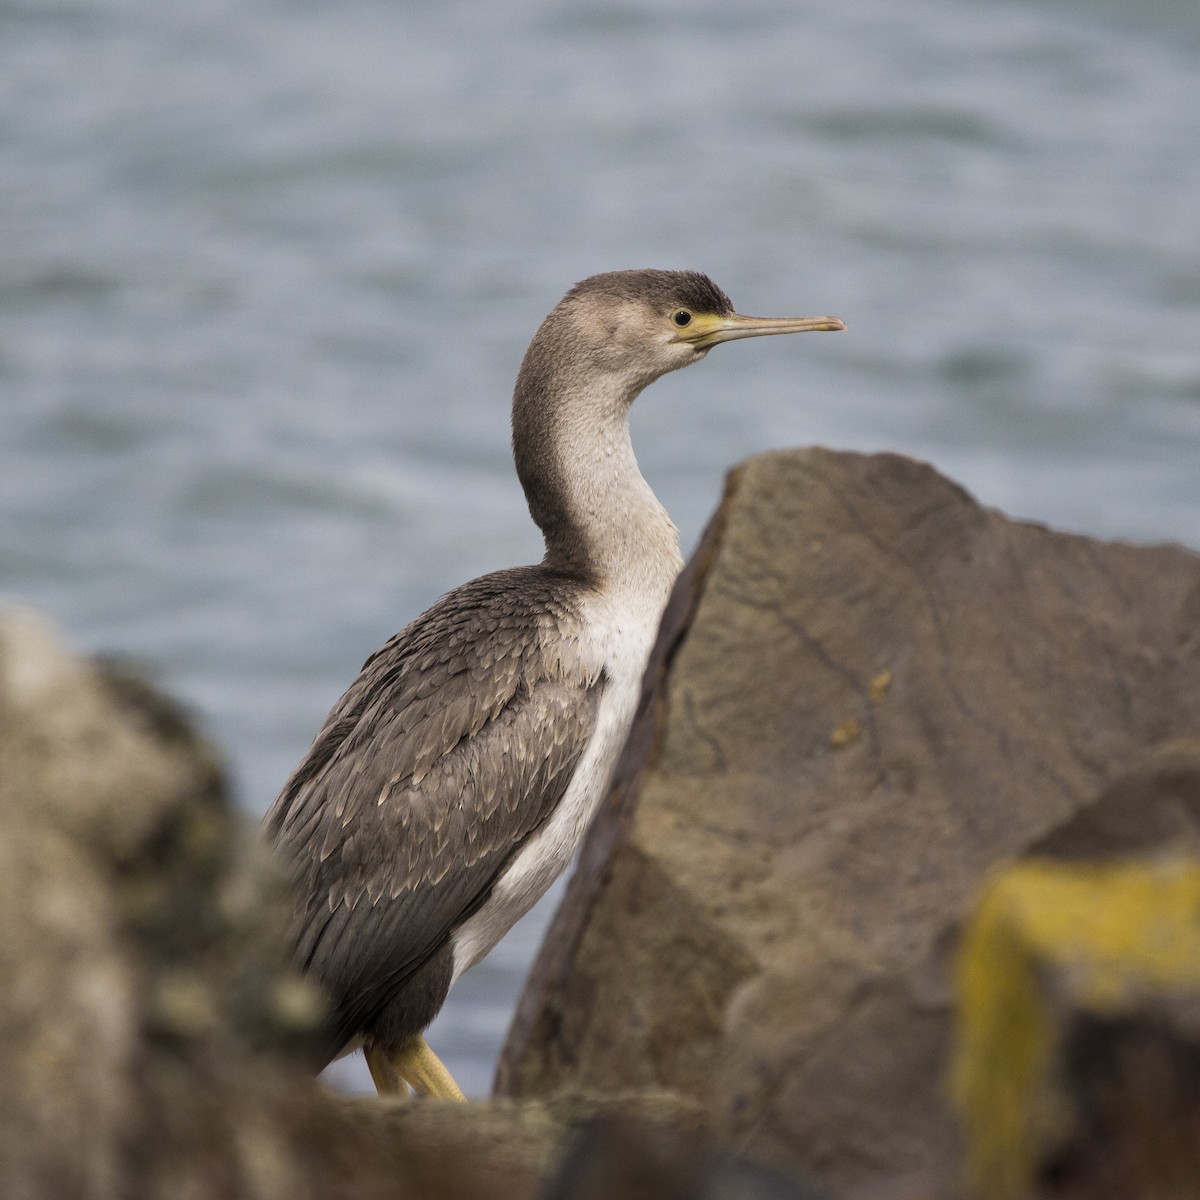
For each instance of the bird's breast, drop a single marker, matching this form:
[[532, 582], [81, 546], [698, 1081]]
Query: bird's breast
[[616, 633]]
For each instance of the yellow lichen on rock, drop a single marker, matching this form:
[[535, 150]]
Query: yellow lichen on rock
[[1049, 943], [846, 734]]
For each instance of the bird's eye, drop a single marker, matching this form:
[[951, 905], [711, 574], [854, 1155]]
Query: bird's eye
[[682, 318]]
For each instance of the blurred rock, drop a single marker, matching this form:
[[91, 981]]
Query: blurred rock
[[139, 944], [1078, 1063], [868, 691], [1152, 808], [152, 1035], [620, 1158]]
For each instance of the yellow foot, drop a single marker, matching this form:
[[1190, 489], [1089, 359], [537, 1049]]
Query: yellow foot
[[413, 1064], [383, 1074]]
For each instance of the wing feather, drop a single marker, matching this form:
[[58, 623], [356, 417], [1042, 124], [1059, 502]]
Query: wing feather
[[453, 745]]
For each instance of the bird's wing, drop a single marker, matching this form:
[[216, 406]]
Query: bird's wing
[[453, 745]]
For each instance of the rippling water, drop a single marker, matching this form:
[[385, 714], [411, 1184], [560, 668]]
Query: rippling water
[[267, 271]]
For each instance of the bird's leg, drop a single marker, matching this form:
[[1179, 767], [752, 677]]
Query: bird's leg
[[423, 1071], [383, 1074]]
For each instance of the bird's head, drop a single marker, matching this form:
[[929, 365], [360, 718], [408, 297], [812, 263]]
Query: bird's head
[[638, 325], [608, 338]]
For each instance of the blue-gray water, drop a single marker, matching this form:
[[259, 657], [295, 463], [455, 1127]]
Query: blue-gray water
[[267, 271]]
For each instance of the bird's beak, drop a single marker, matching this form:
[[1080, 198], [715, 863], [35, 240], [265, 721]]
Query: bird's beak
[[708, 330]]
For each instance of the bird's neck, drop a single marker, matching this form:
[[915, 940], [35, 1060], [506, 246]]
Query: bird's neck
[[600, 518]]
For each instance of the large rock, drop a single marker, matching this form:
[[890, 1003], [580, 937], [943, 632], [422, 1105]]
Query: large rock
[[868, 691]]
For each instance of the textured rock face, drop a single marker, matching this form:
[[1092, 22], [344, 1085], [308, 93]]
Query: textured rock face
[[868, 690]]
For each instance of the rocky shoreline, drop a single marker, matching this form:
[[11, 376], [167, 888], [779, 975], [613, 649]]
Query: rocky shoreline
[[871, 698]]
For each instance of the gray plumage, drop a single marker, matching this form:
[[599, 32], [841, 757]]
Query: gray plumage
[[452, 746], [456, 776]]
